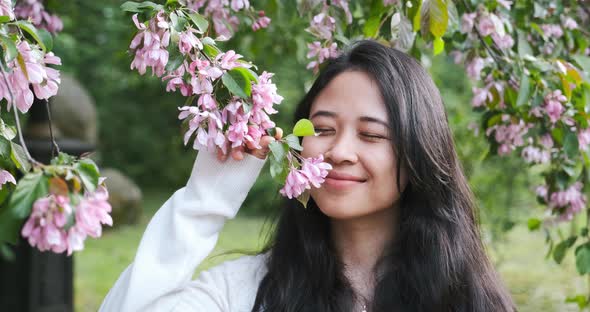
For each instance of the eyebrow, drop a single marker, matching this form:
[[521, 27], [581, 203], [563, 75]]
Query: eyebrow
[[362, 118]]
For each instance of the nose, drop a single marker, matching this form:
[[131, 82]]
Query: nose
[[342, 150]]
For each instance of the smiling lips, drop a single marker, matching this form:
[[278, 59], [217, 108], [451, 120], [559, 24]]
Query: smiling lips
[[340, 180]]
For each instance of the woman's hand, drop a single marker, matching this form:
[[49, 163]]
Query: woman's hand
[[237, 153]]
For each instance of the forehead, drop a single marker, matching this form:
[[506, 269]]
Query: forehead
[[352, 94]]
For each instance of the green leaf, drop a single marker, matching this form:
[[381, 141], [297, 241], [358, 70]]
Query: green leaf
[[18, 156], [43, 38], [414, 14], [583, 258], [210, 50], [304, 198], [88, 172], [524, 91], [561, 248], [570, 145], [9, 47], [278, 150], [238, 82], [303, 127], [201, 23], [6, 131], [4, 19], [533, 224], [293, 142], [139, 7], [438, 16], [438, 45], [580, 300], [30, 188], [371, 27], [9, 226], [524, 48], [175, 58], [279, 170]]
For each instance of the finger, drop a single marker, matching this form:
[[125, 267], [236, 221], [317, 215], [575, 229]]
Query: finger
[[220, 155], [265, 141], [250, 145], [278, 133], [237, 153]]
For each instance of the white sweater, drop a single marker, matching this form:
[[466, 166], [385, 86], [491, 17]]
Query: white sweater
[[181, 235]]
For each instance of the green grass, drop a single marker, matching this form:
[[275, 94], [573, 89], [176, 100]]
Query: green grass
[[536, 284]]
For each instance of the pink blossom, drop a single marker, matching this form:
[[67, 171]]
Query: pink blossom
[[188, 41], [44, 80], [313, 172], [546, 141], [323, 26], [264, 94], [149, 45], [316, 170], [571, 200], [533, 154], [93, 211], [486, 25], [6, 177], [505, 3], [229, 60], [207, 101], [175, 80], [569, 23], [236, 132], [35, 11], [44, 228], [261, 22], [584, 138], [503, 42], [474, 68], [237, 5], [202, 74], [467, 22], [509, 136], [6, 9], [552, 30], [343, 4], [322, 54], [553, 105], [295, 184], [481, 96]]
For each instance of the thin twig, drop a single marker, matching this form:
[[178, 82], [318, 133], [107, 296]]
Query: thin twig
[[16, 118], [54, 146]]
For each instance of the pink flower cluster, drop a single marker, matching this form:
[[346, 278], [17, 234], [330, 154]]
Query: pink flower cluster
[[6, 177], [509, 136], [150, 43], [483, 95], [320, 54], [45, 80], [35, 11], [569, 201], [220, 12], [56, 225], [244, 124], [552, 30], [554, 105], [312, 173], [533, 154], [489, 24]]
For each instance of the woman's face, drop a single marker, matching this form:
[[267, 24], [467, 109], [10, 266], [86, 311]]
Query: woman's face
[[354, 136]]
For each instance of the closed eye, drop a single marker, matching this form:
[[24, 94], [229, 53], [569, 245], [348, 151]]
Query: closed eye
[[372, 136], [321, 131]]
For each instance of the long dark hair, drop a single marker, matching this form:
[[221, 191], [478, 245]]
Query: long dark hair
[[437, 260]]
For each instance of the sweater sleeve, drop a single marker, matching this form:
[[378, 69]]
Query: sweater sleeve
[[181, 235]]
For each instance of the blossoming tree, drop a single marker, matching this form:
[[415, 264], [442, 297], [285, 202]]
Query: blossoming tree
[[60, 203]]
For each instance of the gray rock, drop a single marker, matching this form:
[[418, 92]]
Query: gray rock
[[124, 196]]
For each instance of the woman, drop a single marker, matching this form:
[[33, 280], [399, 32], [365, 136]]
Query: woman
[[393, 228]]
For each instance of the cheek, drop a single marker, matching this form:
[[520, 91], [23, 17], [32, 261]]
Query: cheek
[[311, 147]]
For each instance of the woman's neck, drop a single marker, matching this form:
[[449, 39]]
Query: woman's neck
[[360, 243]]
